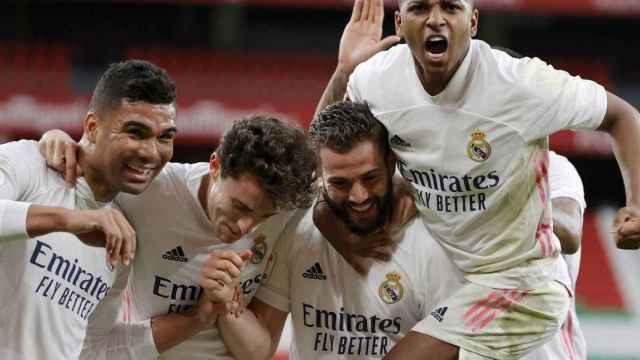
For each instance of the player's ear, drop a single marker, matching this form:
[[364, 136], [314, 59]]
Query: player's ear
[[398, 22], [214, 165], [90, 125], [474, 22]]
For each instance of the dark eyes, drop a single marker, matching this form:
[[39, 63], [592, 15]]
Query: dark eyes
[[417, 7], [135, 133]]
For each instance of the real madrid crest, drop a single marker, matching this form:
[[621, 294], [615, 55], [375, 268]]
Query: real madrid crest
[[391, 290], [478, 148], [259, 249], [268, 269]]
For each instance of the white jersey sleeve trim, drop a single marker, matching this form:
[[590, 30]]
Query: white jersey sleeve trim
[[13, 220], [272, 298]]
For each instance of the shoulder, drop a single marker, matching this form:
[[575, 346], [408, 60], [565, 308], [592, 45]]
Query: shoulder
[[182, 172], [564, 180], [561, 167], [170, 185], [383, 64], [25, 150], [299, 232], [24, 158]]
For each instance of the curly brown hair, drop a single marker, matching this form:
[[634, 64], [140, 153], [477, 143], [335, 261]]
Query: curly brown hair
[[275, 152], [343, 125]]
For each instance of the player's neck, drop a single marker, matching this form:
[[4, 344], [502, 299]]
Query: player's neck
[[434, 81], [101, 191]]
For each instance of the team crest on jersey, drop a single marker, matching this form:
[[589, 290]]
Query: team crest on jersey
[[259, 249], [391, 290], [268, 269], [478, 149]]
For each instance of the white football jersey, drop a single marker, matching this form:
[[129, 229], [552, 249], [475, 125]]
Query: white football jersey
[[175, 237], [477, 153], [570, 343], [333, 308], [51, 284], [339, 314]]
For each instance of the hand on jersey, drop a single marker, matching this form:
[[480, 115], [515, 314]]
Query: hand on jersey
[[626, 228], [220, 278], [361, 38], [61, 153], [106, 228]]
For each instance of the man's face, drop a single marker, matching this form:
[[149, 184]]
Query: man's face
[[235, 206], [132, 144], [357, 186], [438, 32]]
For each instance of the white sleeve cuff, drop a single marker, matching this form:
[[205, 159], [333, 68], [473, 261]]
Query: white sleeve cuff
[[13, 220]]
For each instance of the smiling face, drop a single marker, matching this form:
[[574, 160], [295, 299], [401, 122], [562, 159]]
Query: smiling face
[[439, 33], [236, 205], [129, 146], [357, 185]]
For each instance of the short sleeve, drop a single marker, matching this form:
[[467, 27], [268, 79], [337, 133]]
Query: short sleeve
[[564, 180], [554, 100]]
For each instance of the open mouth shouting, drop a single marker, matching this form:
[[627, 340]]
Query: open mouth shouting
[[436, 47]]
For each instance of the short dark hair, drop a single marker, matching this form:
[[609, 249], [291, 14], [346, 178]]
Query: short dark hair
[[343, 125], [277, 153], [134, 81]]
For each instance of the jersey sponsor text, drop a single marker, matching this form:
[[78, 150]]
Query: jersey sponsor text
[[468, 191], [374, 331], [59, 268]]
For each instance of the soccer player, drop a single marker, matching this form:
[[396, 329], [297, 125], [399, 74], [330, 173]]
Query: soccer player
[[338, 312], [469, 125], [262, 168], [52, 282]]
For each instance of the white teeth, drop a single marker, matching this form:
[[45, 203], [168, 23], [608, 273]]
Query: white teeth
[[144, 170], [362, 208], [436, 38]]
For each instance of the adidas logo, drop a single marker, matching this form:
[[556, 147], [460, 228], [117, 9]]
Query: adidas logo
[[175, 255], [397, 141], [314, 272], [438, 313]]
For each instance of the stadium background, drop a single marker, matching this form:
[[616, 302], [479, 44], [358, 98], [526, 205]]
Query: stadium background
[[237, 57]]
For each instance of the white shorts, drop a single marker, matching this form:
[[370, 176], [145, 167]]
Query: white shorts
[[488, 323]]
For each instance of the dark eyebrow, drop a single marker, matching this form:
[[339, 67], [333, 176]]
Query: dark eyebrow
[[241, 204], [135, 124], [146, 128], [172, 129]]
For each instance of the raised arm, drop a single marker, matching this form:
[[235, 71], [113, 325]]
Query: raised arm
[[622, 122], [361, 39]]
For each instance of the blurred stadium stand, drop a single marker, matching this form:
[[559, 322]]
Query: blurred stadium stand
[[234, 58]]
